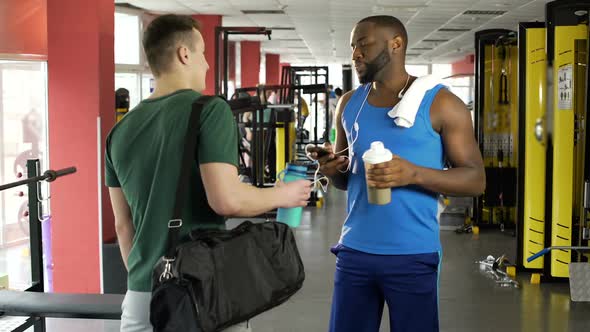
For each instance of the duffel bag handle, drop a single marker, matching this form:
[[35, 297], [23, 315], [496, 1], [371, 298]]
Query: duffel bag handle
[[214, 235]]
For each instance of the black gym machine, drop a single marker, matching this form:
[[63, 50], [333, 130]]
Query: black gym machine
[[308, 76], [222, 53], [274, 142], [33, 302]]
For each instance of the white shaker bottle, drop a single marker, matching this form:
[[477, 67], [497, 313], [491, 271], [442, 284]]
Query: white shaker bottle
[[375, 155]]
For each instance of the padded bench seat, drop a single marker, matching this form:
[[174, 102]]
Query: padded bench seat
[[90, 306]]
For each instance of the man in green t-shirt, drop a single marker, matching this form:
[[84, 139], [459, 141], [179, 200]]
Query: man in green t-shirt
[[143, 159]]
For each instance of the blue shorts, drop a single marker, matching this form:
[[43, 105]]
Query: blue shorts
[[363, 282]]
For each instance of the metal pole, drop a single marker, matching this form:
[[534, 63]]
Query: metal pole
[[31, 321], [328, 124], [346, 78], [22, 182], [254, 150], [48, 175], [35, 237], [225, 64], [260, 129], [287, 127], [217, 57], [315, 116], [35, 228]]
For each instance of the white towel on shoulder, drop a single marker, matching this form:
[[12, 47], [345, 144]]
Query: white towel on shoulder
[[404, 113]]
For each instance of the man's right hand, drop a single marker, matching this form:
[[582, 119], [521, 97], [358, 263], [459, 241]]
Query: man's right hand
[[330, 164], [294, 194]]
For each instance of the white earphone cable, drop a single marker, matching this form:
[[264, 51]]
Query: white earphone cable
[[355, 128]]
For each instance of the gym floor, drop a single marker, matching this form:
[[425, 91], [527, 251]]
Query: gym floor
[[469, 301]]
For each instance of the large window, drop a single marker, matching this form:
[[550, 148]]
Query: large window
[[129, 81], [139, 85], [23, 135], [131, 70], [463, 87], [147, 85], [442, 69], [336, 75], [127, 33], [418, 70]]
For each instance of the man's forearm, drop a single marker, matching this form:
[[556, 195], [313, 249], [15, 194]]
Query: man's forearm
[[125, 237], [461, 181], [252, 201], [340, 181]]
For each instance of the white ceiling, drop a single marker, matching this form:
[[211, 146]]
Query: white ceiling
[[322, 27]]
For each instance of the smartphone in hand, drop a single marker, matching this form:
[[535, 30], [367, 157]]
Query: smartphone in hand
[[322, 153], [316, 152]]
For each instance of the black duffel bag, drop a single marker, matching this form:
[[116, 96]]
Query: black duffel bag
[[220, 278]]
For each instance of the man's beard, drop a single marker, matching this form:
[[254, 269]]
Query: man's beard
[[374, 67]]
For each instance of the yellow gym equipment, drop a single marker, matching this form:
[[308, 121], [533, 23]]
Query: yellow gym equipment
[[121, 103], [554, 117], [285, 139], [496, 123]]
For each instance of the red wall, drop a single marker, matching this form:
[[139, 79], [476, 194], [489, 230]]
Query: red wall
[[208, 25], [23, 27], [281, 65], [108, 117], [81, 89], [465, 66], [273, 73], [250, 61]]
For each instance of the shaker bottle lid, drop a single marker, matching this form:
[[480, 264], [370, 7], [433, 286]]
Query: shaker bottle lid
[[377, 153], [377, 146]]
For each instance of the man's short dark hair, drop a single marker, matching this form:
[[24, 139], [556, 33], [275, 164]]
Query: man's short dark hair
[[163, 35], [390, 22]]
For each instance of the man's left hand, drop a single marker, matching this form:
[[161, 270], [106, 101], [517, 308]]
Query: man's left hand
[[395, 173]]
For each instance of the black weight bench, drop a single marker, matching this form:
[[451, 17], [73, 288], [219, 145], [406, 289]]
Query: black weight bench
[[36, 304]]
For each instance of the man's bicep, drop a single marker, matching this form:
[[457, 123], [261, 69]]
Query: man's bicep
[[217, 176], [120, 206], [457, 132], [218, 137], [341, 141], [111, 179], [219, 179]]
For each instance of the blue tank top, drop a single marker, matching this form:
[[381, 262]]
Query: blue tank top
[[409, 224]]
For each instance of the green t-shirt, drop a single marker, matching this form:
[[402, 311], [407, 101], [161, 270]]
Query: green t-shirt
[[143, 156]]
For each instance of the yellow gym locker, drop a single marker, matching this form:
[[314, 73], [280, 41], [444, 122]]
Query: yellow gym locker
[[532, 145], [567, 34]]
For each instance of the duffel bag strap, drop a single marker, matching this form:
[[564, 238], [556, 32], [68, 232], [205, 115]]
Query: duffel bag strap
[[188, 158]]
